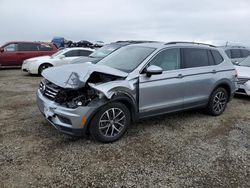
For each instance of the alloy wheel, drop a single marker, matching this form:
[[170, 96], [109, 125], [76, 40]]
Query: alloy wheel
[[112, 122], [219, 101]]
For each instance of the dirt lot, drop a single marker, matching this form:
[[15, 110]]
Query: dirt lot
[[181, 150]]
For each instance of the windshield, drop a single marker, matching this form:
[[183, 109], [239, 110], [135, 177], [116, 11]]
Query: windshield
[[105, 50], [127, 58], [59, 52], [245, 62]]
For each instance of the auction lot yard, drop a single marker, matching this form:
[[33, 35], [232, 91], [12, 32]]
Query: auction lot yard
[[178, 150]]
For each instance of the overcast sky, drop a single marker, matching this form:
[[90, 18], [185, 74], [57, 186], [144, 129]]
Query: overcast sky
[[214, 21]]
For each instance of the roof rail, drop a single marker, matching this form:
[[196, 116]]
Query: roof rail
[[198, 43], [135, 41]]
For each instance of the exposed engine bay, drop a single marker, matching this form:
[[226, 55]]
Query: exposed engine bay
[[73, 98]]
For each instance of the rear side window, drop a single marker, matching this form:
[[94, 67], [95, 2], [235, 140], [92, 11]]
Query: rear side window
[[235, 53], [244, 53], [45, 47], [194, 57], [217, 57], [85, 53], [72, 53], [28, 47]]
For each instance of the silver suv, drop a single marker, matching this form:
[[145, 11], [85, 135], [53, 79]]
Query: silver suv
[[236, 53], [134, 82]]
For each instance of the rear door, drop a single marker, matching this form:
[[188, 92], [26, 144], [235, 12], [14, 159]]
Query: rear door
[[162, 93], [27, 50], [9, 55], [199, 73]]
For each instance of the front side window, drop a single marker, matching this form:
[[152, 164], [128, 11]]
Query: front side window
[[60, 52], [72, 53], [245, 62], [127, 58], [168, 59], [10, 48], [194, 57]]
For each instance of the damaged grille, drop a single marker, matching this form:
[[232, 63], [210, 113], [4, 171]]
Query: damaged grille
[[66, 97], [242, 81], [49, 90]]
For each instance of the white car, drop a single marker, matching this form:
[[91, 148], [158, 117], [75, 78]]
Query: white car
[[38, 64], [243, 70]]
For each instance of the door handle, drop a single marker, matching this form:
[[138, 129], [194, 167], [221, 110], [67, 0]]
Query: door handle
[[214, 71], [180, 76]]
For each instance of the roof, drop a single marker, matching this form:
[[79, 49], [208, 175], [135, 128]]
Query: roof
[[78, 48], [174, 44]]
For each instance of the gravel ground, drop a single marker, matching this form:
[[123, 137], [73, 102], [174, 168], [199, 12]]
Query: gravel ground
[[188, 149]]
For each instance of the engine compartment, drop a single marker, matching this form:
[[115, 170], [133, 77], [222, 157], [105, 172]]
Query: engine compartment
[[73, 98]]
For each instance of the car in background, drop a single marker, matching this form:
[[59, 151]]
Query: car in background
[[135, 82], [105, 51], [243, 71], [14, 53], [236, 53], [64, 56]]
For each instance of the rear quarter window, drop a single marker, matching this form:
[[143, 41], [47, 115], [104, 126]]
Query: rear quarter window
[[45, 47], [217, 57], [244, 53], [85, 53]]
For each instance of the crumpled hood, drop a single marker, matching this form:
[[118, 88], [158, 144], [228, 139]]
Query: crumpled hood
[[75, 75], [243, 72]]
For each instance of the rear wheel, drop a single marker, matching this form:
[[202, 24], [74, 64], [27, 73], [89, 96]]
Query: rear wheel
[[42, 67], [110, 123], [217, 102]]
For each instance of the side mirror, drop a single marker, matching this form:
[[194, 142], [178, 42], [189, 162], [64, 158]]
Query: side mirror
[[1, 50], [236, 63], [153, 70]]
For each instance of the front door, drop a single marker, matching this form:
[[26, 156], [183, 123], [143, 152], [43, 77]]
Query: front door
[[9, 55], [162, 93]]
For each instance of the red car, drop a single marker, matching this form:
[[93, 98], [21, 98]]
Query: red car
[[14, 53]]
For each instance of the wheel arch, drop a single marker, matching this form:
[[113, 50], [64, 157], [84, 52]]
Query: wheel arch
[[44, 63], [226, 85]]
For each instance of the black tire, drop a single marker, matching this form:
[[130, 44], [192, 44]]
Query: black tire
[[42, 67], [217, 102], [105, 122]]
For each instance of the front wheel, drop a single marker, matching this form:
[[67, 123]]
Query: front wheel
[[110, 123], [217, 102], [42, 67]]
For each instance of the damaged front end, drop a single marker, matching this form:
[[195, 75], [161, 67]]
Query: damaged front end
[[73, 97], [69, 104]]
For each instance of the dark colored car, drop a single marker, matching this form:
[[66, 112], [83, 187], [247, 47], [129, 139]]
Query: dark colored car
[[14, 53]]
